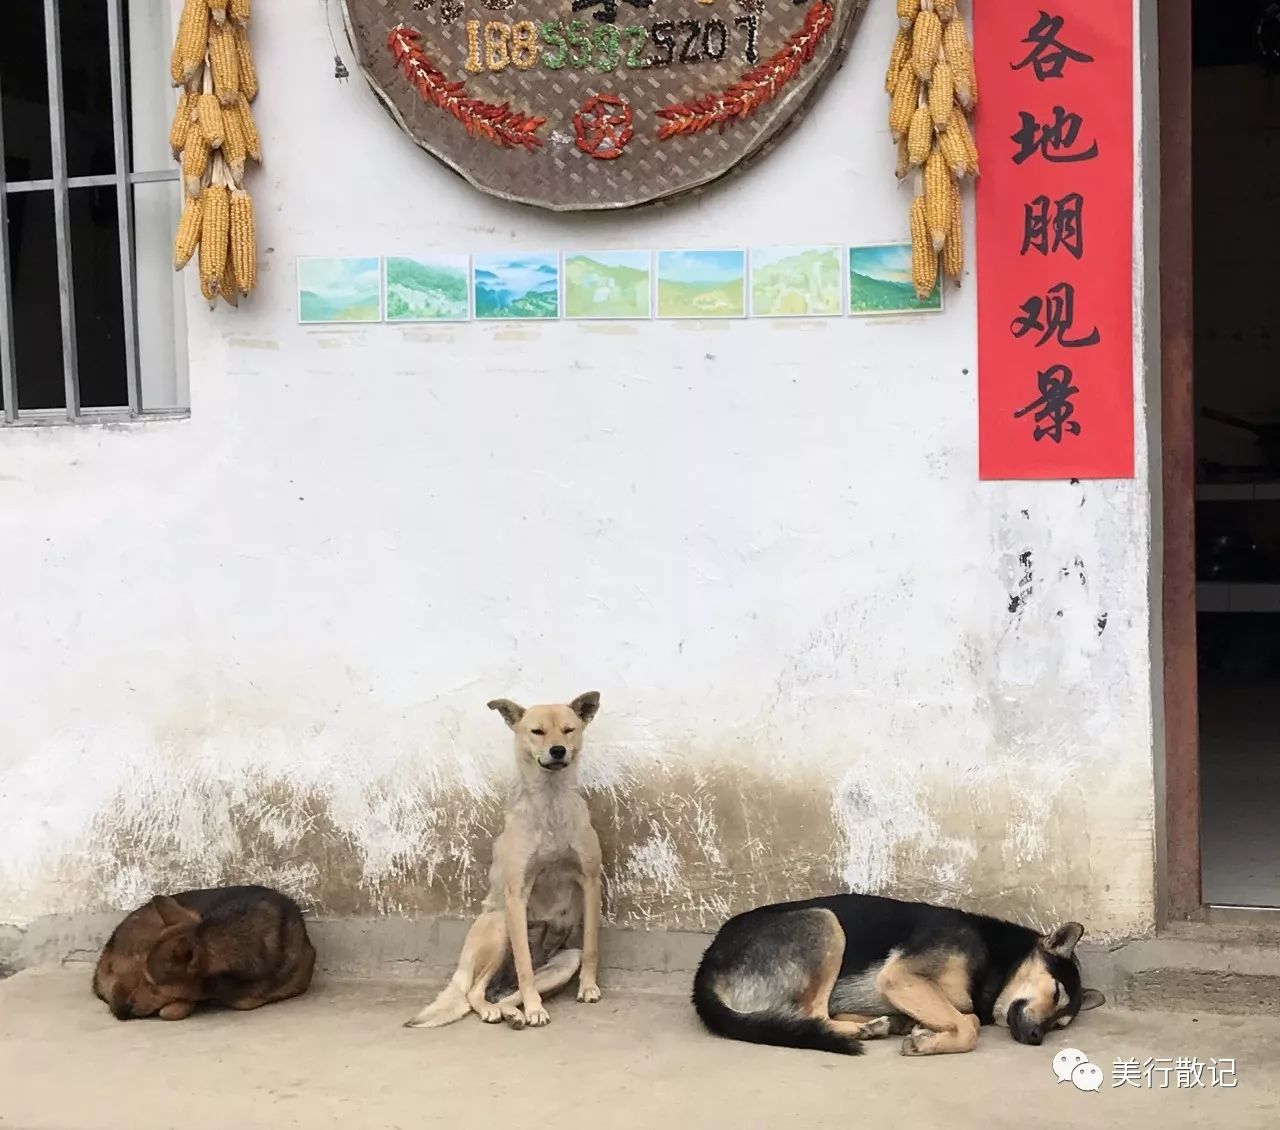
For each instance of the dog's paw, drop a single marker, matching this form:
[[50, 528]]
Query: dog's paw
[[537, 1017], [875, 1029], [919, 1042], [588, 994], [514, 1017], [490, 1013]]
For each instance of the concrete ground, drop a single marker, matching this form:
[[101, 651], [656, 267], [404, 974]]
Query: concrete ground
[[339, 1057]]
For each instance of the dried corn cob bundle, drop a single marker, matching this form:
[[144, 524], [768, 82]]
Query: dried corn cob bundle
[[953, 248], [188, 237], [191, 43], [215, 224], [960, 124], [244, 246], [209, 115], [214, 135], [181, 124], [904, 157], [244, 56], [924, 260], [932, 86], [249, 128], [234, 150], [937, 198], [226, 64], [195, 161], [227, 290], [898, 57], [942, 92], [906, 97], [920, 136], [959, 55], [957, 155], [926, 44]]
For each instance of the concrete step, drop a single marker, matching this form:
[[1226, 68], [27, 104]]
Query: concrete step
[[1202, 972]]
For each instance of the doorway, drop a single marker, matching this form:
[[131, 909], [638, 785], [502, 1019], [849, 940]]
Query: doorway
[[1220, 153]]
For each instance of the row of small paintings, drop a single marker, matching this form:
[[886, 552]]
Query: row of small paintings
[[767, 282]]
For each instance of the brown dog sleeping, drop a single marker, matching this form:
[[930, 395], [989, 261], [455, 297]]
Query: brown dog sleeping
[[242, 947]]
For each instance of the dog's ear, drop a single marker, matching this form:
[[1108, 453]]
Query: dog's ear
[[175, 957], [1062, 942], [1091, 998], [586, 705], [511, 712], [173, 913]]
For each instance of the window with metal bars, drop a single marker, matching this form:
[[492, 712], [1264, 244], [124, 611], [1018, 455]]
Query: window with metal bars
[[91, 312]]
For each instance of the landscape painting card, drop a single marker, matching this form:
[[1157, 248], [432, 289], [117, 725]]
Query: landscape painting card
[[880, 281], [796, 282], [702, 284], [607, 284], [428, 288], [339, 290], [516, 286]]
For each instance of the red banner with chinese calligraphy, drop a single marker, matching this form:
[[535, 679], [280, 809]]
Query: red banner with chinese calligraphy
[[1055, 238]]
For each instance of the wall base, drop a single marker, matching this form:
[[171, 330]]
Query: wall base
[[424, 949], [1212, 971]]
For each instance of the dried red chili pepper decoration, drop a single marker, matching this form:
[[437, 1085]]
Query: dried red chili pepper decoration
[[497, 123], [758, 86]]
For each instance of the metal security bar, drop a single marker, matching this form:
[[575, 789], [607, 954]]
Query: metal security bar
[[62, 207], [8, 361], [60, 184]]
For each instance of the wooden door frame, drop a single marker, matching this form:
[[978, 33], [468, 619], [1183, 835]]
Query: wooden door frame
[[1179, 896]]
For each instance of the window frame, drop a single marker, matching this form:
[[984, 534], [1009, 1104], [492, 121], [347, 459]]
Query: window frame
[[123, 179]]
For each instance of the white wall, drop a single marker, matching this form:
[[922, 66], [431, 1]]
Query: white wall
[[260, 642]]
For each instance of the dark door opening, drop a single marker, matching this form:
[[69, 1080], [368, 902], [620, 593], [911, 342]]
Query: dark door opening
[[1235, 171]]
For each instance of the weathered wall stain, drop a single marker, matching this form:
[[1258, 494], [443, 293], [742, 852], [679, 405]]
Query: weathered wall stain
[[1026, 584], [882, 743], [268, 831], [688, 848], [683, 849]]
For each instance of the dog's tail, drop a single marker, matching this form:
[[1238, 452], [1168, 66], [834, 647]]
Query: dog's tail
[[775, 1028], [449, 1006]]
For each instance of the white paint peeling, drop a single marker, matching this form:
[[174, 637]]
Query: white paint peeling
[[875, 815], [652, 864], [878, 814]]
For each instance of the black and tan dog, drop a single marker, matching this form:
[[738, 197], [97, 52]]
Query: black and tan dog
[[242, 947], [827, 973]]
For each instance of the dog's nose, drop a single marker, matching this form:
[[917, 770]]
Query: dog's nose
[[122, 1012], [557, 752]]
